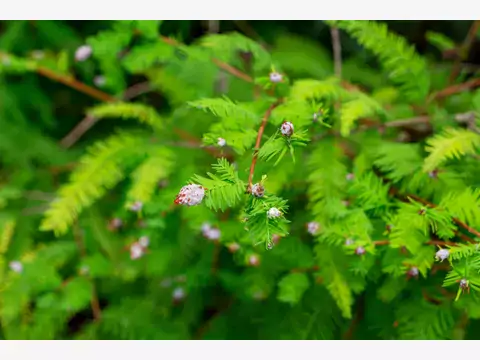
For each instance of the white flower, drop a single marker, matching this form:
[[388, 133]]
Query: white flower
[[313, 227], [276, 77], [83, 53], [16, 266], [464, 284], [136, 206], [360, 250], [144, 241], [178, 293], [287, 128], [442, 254], [221, 142], [258, 190], [254, 260], [99, 80], [136, 251], [273, 213], [190, 195]]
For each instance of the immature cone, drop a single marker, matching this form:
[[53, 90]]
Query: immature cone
[[99, 81], [190, 195], [136, 206], [442, 254], [276, 77], [144, 241], [253, 260], [273, 213], [360, 251], [221, 142], [83, 53], [313, 227], [136, 251], [258, 190], [233, 247], [413, 272], [16, 266], [178, 294], [287, 128]]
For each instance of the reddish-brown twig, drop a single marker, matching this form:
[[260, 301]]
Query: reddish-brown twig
[[454, 89], [464, 49], [259, 139]]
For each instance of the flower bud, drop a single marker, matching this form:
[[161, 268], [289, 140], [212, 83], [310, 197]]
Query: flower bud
[[190, 195]]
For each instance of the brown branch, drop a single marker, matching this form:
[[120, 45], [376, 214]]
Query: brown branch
[[464, 50], [454, 89], [259, 140], [337, 51], [75, 84]]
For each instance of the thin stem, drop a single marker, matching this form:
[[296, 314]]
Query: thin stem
[[337, 51], [259, 139]]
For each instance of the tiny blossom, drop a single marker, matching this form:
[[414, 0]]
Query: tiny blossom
[[254, 260], [212, 234], [270, 245], [273, 213], [178, 293], [99, 80], [233, 247], [413, 271], [166, 283], [345, 202], [349, 242], [360, 250], [144, 241], [205, 227], [83, 53], [276, 77], [350, 177], [136, 206], [287, 128], [221, 142], [190, 195], [317, 115], [422, 211], [313, 227], [16, 266], [442, 254], [258, 190], [136, 251], [389, 227], [464, 284]]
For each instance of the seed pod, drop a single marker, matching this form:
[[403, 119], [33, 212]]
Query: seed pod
[[287, 128]]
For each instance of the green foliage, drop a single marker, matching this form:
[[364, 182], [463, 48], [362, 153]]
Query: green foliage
[[362, 223]]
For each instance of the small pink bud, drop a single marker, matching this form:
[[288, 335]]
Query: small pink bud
[[83, 53], [136, 206], [273, 213], [221, 142], [413, 272], [258, 190], [287, 128], [360, 251], [233, 247], [253, 260], [276, 77], [313, 227], [190, 195], [136, 251]]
